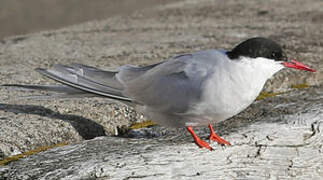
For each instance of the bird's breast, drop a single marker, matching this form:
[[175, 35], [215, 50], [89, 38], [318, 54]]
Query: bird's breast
[[225, 95]]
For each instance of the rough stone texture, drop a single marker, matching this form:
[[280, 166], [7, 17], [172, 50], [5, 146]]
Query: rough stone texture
[[282, 139], [278, 137]]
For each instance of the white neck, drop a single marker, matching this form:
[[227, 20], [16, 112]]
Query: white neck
[[248, 76], [254, 72]]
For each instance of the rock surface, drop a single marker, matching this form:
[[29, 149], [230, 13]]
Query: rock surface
[[278, 137]]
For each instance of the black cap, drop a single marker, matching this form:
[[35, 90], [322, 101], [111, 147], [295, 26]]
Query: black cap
[[258, 47]]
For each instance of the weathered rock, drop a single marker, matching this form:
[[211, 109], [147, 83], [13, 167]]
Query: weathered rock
[[275, 138], [283, 139]]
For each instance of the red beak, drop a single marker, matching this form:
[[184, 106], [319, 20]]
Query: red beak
[[297, 65]]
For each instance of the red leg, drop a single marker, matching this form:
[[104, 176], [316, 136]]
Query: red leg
[[214, 137], [197, 140]]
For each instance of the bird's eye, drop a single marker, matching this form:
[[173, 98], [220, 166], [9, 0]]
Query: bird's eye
[[273, 55], [284, 57]]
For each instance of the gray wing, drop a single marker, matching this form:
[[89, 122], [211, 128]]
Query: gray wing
[[84, 81], [88, 79], [172, 86], [78, 81]]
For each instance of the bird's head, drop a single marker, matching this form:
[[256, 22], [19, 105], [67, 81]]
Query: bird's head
[[265, 48]]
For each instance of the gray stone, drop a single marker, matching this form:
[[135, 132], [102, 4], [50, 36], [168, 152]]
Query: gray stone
[[282, 139], [275, 138]]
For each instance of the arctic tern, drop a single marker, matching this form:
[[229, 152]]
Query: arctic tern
[[194, 89]]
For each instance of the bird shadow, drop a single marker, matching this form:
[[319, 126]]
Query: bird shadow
[[87, 129]]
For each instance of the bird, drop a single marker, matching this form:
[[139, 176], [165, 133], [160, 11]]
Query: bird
[[187, 90]]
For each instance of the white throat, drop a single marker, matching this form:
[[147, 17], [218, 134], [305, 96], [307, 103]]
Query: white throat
[[248, 77], [253, 72]]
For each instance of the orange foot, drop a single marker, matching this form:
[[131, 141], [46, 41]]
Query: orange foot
[[197, 140], [214, 137]]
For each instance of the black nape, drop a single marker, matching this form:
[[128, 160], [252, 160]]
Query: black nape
[[258, 47]]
